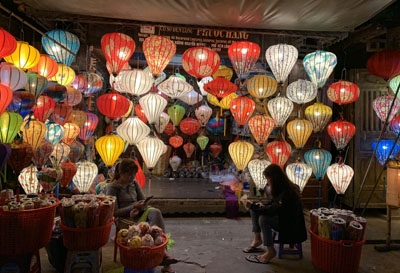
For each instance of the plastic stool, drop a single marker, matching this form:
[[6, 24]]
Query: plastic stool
[[294, 248]]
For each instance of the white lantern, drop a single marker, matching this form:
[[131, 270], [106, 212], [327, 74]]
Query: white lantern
[[28, 180], [340, 176], [174, 162], [203, 114], [256, 168], [152, 105], [175, 87], [301, 91], [191, 98], [85, 174], [135, 82], [12, 76], [151, 148], [281, 58], [280, 109], [162, 122], [133, 130], [299, 173]]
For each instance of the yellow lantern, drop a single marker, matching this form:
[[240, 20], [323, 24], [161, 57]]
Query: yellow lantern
[[10, 124], [65, 75], [261, 86], [241, 152], [33, 132], [71, 131], [78, 117], [110, 147], [319, 115], [24, 56], [223, 71], [299, 130]]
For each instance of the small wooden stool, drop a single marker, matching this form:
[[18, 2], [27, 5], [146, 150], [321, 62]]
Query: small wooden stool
[[294, 248]]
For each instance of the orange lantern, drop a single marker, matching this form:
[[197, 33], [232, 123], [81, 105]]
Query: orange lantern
[[33, 132], [176, 141], [44, 108], [41, 155], [243, 55], [5, 97], [241, 152], [299, 130], [46, 67], [113, 105], [8, 43], [169, 128], [220, 87], [343, 92], [189, 148], [385, 64], [69, 170], [158, 51], [215, 149], [341, 132], [73, 96], [261, 127], [189, 126], [71, 131], [140, 113], [200, 61], [278, 152], [242, 108], [61, 113]]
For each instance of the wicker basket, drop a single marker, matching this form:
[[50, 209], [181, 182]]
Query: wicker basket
[[26, 231], [85, 239], [335, 256], [144, 257]]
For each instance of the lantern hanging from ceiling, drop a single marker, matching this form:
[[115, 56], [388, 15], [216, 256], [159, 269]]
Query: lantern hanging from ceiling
[[73, 96], [94, 84], [220, 87], [319, 115], [242, 108], [86, 131], [215, 126], [80, 82], [150, 149], [22, 103], [223, 103], [12, 76], [71, 132], [33, 132], [189, 148], [140, 113], [203, 114], [280, 109], [59, 154], [54, 132], [24, 56], [8, 43], [223, 71], [77, 150], [299, 173], [6, 96], [261, 127], [110, 147], [21, 156], [10, 124], [241, 152], [61, 113], [381, 106], [319, 66], [174, 87], [191, 98], [158, 51], [261, 86], [46, 67], [215, 149], [384, 64], [394, 84], [118, 48], [86, 172], [281, 58], [202, 141], [299, 130], [55, 91], [133, 130], [36, 84], [200, 61], [5, 152], [341, 132], [201, 84], [394, 124], [153, 105], [175, 141], [49, 178], [44, 108], [169, 128], [136, 82], [112, 105], [243, 55], [65, 75], [189, 126], [176, 113], [28, 179], [69, 170], [278, 152], [174, 162], [256, 168], [114, 79], [343, 92], [340, 176], [301, 91], [61, 45], [78, 117], [319, 160], [383, 148], [162, 122], [42, 154]]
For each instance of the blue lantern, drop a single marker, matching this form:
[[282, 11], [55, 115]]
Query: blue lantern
[[319, 161], [319, 66], [22, 102], [54, 132], [384, 147], [215, 126], [61, 46]]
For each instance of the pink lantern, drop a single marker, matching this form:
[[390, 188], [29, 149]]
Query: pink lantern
[[86, 131], [340, 176], [189, 148], [200, 61], [261, 127], [382, 105], [341, 132], [242, 108], [278, 152], [343, 92], [243, 55]]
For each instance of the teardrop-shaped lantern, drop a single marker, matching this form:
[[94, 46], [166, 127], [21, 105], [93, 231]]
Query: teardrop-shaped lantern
[[136, 82], [8, 43], [174, 162], [10, 124], [278, 152], [69, 170], [200, 61], [174, 87], [153, 105], [281, 58], [189, 126], [61, 45], [241, 152], [36, 84], [319, 115], [161, 122], [112, 105], [280, 109], [319, 66], [44, 108], [33, 132], [77, 150], [42, 154], [301, 91], [110, 147], [215, 149], [175, 141], [243, 55], [24, 56], [65, 75], [220, 87], [385, 146], [54, 132], [86, 131], [242, 108], [59, 154], [12, 76], [319, 160], [27, 178], [223, 71], [78, 117], [158, 51], [261, 127], [299, 173], [176, 113], [340, 176], [202, 141], [299, 130], [118, 48], [46, 67], [191, 98], [343, 92], [381, 106], [133, 130], [71, 132], [189, 148], [261, 86], [384, 64], [6, 96], [48, 178], [150, 149], [61, 113], [203, 114], [85, 174], [341, 132], [21, 156], [256, 168], [5, 151], [94, 84]]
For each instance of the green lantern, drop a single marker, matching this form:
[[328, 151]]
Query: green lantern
[[176, 113], [36, 84], [202, 141], [394, 84], [10, 124]]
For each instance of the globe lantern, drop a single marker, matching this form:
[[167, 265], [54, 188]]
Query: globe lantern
[[243, 55], [59, 154], [118, 48], [44, 108], [61, 113], [46, 67], [319, 115], [150, 149], [220, 87], [319, 66], [86, 172], [133, 130], [341, 132], [191, 98], [77, 150], [175, 141], [174, 87], [299, 130], [189, 126], [280, 109], [61, 45], [215, 149], [42, 154], [261, 127], [5, 152], [21, 156], [110, 147], [69, 170], [241, 152], [6, 96], [73, 96], [153, 105], [382, 105], [54, 132], [189, 148], [10, 124], [343, 92], [319, 160], [200, 61], [176, 113], [8, 43], [384, 64], [136, 82], [77, 117], [71, 132], [340, 176], [33, 132], [12, 76], [65, 75], [216, 126], [261, 86], [256, 168], [299, 173], [158, 51], [383, 148], [281, 58], [301, 91], [24, 56], [203, 114], [112, 105], [223, 71], [86, 131], [278, 152], [94, 84], [161, 122], [36, 84], [242, 108]]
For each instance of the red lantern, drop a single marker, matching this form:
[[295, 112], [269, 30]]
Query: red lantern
[[113, 105], [8, 43], [42, 153], [278, 152], [6, 95], [385, 64], [242, 108], [158, 51], [21, 156], [200, 61], [341, 132], [243, 55], [87, 130], [61, 113], [189, 148], [220, 87], [343, 92], [176, 141], [189, 126], [44, 108], [169, 129], [261, 127], [140, 113], [69, 170], [215, 149], [46, 67]]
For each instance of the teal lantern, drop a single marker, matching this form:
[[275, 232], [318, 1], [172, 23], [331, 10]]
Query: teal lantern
[[61, 46], [319, 160], [319, 66], [387, 148], [54, 132]]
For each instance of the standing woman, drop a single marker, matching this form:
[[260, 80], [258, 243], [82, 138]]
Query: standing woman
[[282, 213]]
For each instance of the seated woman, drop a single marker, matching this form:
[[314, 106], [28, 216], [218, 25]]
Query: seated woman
[[130, 205], [282, 213]]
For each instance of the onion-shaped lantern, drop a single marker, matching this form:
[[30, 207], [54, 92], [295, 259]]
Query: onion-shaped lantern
[[73, 96], [341, 132], [281, 58], [54, 132], [299, 173], [319, 115], [299, 130], [46, 67], [65, 75], [340, 176], [280, 109], [215, 149], [301, 91], [33, 132], [200, 61], [12, 76], [189, 126], [381, 106], [133, 130], [24, 56], [59, 154], [42, 154], [223, 71], [158, 51], [243, 55], [36, 84], [161, 122], [278, 152], [241, 152], [5, 152], [175, 141], [6, 96], [191, 98], [319, 66], [383, 148], [71, 132], [77, 150], [69, 170], [384, 64], [176, 113], [78, 117], [112, 105], [61, 45], [261, 86], [136, 82], [174, 162], [85, 174], [150, 149], [189, 148], [153, 105], [343, 92], [21, 156], [61, 113], [242, 108], [220, 87], [8, 43], [174, 87], [261, 127], [319, 160], [256, 168], [86, 131], [203, 114], [202, 141], [10, 124], [110, 147]]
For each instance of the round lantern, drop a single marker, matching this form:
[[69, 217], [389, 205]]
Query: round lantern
[[55, 91], [220, 87], [203, 114], [243, 55], [136, 82], [301, 91], [8, 43], [384, 64], [319, 115], [65, 75], [133, 130], [280, 109], [80, 82], [299, 173], [73, 96], [24, 56], [281, 58], [175, 141], [150, 149], [189, 148], [59, 154], [61, 45], [28, 180], [223, 71], [381, 106], [394, 124], [86, 172], [22, 103], [162, 122], [158, 51], [33, 132], [261, 127], [200, 61], [341, 132], [319, 160], [41, 155], [278, 152], [241, 152], [94, 84], [383, 148], [21, 156], [6, 96], [189, 126], [12, 76], [215, 149], [343, 92], [174, 87], [340, 176], [61, 113], [169, 128], [319, 66], [112, 105], [256, 168], [153, 105], [86, 131], [174, 162], [110, 147], [69, 170], [215, 126], [5, 152], [10, 124], [201, 84], [261, 86], [44, 108], [46, 67], [118, 48], [299, 130], [36, 84], [54, 132], [176, 113], [77, 150], [71, 132], [78, 117], [191, 98], [242, 108]]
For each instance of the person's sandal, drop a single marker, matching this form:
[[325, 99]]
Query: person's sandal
[[168, 261], [253, 249]]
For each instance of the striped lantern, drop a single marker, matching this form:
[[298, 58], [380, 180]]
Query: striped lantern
[[158, 51], [261, 86], [135, 82], [280, 109], [86, 131], [191, 98], [175, 87], [59, 154], [301, 91], [112, 105], [36, 84], [241, 152], [319, 160], [200, 61], [46, 67], [299, 130], [278, 152], [12, 76], [44, 108], [299, 173], [61, 45], [54, 132], [86, 172], [10, 124], [319, 115], [110, 147], [281, 59], [384, 64], [153, 105], [24, 56], [71, 132], [256, 168], [150, 149], [261, 127], [133, 130], [65, 75], [8, 43], [33, 132]]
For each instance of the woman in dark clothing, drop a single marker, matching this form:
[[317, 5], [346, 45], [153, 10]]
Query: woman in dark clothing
[[282, 213]]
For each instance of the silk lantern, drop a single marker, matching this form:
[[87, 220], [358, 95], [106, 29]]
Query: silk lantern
[[78, 117], [153, 105], [61, 113], [21, 156], [174, 162], [94, 84], [383, 148], [243, 55], [65, 75], [299, 173], [189, 148], [340, 176], [12, 76], [73, 96], [80, 82], [241, 152], [343, 92], [278, 152], [256, 168], [261, 86], [382, 105], [44, 108], [10, 124], [224, 103], [24, 56], [394, 84], [22, 103], [261, 127], [5, 152], [215, 149], [27, 178], [201, 84], [280, 109], [384, 64], [33, 132], [71, 132], [175, 141], [158, 51], [223, 71], [8, 43], [202, 141], [203, 114], [220, 87], [118, 48], [6, 96], [200, 61], [59, 154], [136, 82], [242, 108], [85, 174], [301, 91], [191, 98], [42, 154], [189, 126], [69, 170], [140, 113], [46, 67], [299, 130], [319, 66], [110, 147], [216, 126], [176, 113], [394, 124], [36, 84], [341, 132], [77, 150], [281, 58], [174, 87], [55, 91], [54, 132], [150, 149], [86, 131], [169, 128], [319, 115], [112, 105], [161, 122], [61, 45], [133, 130], [48, 178], [319, 160]]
